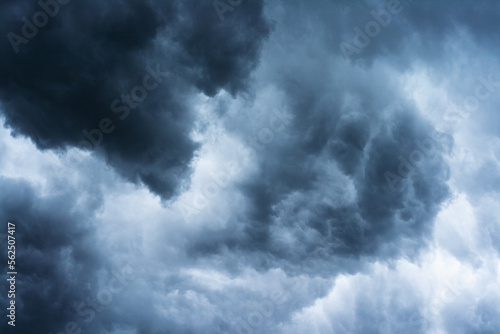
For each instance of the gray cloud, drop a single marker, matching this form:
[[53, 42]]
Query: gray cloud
[[315, 203], [55, 253], [325, 177], [66, 78]]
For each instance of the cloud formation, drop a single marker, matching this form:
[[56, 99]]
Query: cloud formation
[[75, 82], [247, 176]]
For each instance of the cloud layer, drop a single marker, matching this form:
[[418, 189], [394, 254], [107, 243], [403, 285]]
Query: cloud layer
[[228, 167]]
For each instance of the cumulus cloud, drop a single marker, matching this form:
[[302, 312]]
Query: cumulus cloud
[[55, 251], [114, 77], [340, 169], [268, 182]]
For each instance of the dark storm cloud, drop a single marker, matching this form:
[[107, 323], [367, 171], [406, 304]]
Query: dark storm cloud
[[65, 79], [363, 145], [379, 218], [56, 257], [347, 119], [362, 125], [320, 191]]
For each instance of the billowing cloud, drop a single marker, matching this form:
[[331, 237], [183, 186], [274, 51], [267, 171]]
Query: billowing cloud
[[329, 167], [346, 158], [115, 77]]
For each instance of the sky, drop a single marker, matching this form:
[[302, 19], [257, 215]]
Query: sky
[[250, 166]]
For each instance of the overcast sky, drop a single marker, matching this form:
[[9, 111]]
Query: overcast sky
[[251, 166]]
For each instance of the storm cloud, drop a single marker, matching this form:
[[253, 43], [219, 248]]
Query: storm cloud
[[252, 166], [73, 83]]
